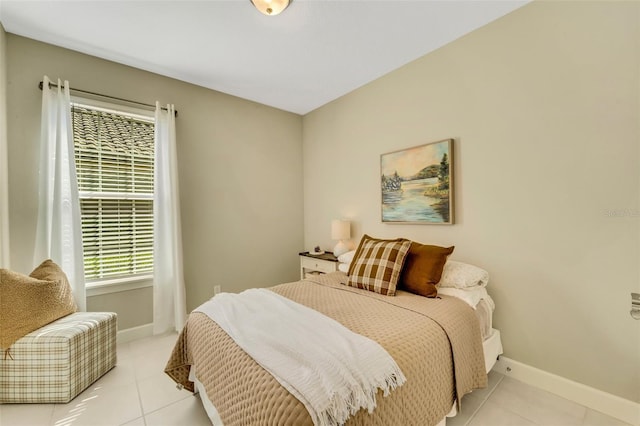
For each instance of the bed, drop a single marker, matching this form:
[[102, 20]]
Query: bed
[[442, 345]]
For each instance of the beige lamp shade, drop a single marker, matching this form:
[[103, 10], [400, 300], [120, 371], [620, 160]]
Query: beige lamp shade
[[340, 230], [270, 7]]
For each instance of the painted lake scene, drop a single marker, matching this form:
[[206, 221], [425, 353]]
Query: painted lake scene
[[417, 184]]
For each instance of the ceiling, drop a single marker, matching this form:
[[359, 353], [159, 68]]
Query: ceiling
[[312, 53]]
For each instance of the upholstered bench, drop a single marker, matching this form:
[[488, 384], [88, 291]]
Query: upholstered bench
[[56, 362]]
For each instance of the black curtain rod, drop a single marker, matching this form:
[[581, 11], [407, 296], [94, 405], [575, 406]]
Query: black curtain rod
[[106, 96]]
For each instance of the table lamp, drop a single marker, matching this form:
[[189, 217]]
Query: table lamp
[[340, 230]]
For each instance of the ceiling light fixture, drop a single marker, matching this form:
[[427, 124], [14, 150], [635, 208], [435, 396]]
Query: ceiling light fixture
[[271, 7]]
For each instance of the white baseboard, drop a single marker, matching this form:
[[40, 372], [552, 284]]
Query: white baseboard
[[612, 405], [135, 333]]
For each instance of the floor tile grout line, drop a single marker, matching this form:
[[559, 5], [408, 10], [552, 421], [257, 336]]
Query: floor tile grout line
[[169, 405], [584, 416], [484, 401], [144, 419], [581, 418], [51, 417], [502, 406], [506, 408], [502, 376]]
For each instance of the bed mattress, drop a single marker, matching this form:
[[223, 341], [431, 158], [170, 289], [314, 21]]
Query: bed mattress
[[492, 348], [411, 328]]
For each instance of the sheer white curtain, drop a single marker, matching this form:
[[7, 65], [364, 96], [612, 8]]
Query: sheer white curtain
[[59, 228], [4, 175], [169, 302]]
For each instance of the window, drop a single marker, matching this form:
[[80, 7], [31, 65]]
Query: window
[[114, 162]]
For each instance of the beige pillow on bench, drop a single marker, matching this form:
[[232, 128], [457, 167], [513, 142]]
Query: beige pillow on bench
[[29, 302]]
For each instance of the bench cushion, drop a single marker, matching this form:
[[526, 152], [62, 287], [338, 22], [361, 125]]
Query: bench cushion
[[56, 362]]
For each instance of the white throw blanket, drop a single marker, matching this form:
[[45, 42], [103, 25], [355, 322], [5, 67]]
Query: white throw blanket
[[333, 371]]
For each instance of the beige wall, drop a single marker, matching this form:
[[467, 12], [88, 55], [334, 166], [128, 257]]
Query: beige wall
[[134, 307], [4, 189], [240, 168], [544, 108]]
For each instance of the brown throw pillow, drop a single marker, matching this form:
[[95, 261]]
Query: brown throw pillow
[[423, 269], [29, 302], [377, 264]]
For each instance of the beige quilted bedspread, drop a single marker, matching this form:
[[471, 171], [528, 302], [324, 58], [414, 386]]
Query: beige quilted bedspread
[[436, 343]]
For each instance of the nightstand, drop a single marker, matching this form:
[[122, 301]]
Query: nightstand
[[317, 264]]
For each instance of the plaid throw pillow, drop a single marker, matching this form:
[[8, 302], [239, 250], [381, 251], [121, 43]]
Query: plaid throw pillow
[[377, 264]]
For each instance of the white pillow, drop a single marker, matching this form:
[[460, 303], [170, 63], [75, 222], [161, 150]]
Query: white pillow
[[470, 295], [463, 275], [346, 257], [343, 267]]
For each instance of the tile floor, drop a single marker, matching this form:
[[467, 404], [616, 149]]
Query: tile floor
[[138, 393]]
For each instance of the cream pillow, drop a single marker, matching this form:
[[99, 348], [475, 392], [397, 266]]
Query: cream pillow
[[29, 302], [347, 257], [463, 275]]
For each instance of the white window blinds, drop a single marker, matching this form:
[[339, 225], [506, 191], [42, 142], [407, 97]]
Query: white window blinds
[[114, 162]]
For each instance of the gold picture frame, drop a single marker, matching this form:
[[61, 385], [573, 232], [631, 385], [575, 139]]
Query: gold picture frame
[[416, 184]]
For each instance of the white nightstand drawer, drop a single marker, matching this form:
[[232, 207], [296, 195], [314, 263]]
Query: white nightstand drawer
[[317, 264]]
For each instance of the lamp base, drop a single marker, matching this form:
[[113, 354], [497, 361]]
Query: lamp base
[[340, 248]]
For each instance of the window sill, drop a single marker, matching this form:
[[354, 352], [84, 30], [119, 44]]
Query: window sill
[[117, 285]]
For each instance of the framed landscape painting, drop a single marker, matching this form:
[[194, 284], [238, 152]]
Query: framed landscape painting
[[417, 184]]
